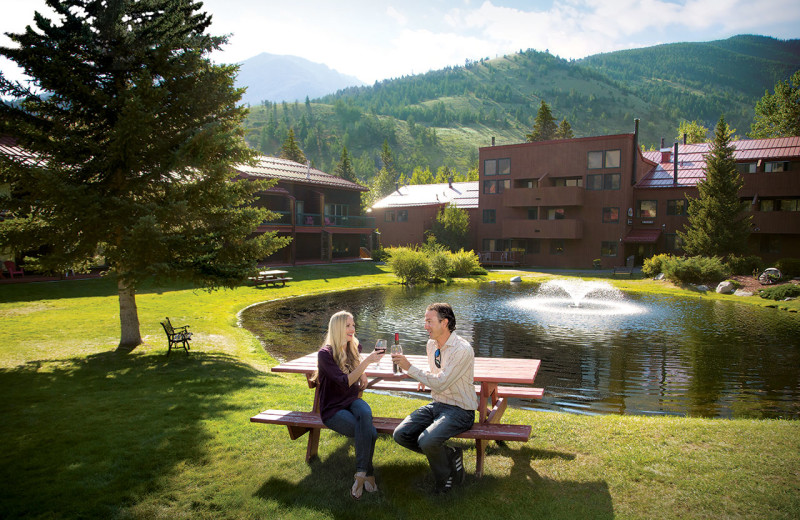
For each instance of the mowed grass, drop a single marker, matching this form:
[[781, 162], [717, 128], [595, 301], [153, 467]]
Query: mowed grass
[[90, 433]]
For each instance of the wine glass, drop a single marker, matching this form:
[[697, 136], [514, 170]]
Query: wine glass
[[396, 349], [380, 345]]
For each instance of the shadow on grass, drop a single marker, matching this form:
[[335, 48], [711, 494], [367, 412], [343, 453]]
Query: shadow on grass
[[405, 489], [86, 437]]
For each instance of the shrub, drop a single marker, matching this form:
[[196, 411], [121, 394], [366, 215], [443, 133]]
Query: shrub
[[410, 265], [441, 264], [465, 263], [780, 292], [655, 264], [744, 265], [379, 254], [695, 269], [789, 266]]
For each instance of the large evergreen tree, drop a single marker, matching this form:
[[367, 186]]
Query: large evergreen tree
[[291, 150], [717, 224], [544, 127], [345, 167], [778, 114], [136, 131], [564, 130]]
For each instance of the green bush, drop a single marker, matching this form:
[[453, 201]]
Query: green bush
[[379, 254], [695, 270], [780, 292], [789, 266], [655, 264], [744, 265], [465, 263], [441, 264], [410, 265]]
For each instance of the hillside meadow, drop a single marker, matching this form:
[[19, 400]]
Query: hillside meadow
[[91, 433]]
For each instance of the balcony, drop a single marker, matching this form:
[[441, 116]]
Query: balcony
[[349, 221], [317, 220], [563, 228], [548, 196]]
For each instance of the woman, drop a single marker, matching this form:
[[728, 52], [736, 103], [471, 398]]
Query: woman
[[341, 378]]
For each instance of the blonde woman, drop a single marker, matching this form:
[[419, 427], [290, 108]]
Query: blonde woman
[[341, 378]]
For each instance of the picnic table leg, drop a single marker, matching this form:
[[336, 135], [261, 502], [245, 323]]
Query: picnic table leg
[[313, 433], [480, 455], [486, 402]]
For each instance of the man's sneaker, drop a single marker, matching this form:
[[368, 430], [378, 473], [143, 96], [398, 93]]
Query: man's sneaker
[[445, 487], [457, 464]]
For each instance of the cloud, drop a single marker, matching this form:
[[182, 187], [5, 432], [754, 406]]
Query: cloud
[[400, 18]]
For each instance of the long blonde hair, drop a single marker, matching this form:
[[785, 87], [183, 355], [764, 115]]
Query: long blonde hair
[[345, 352]]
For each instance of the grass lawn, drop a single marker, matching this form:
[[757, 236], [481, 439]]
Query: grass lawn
[[90, 433]]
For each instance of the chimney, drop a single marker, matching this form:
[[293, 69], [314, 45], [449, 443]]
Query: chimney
[[397, 187], [450, 181], [492, 140], [684, 138], [662, 142], [675, 165], [635, 154], [308, 170]]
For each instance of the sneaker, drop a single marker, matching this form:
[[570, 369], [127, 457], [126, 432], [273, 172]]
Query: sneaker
[[445, 487], [457, 464]]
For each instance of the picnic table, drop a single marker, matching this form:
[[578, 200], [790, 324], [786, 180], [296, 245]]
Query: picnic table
[[496, 380], [271, 277]]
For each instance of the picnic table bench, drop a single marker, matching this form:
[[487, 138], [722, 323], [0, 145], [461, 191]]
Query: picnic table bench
[[492, 400], [272, 277]]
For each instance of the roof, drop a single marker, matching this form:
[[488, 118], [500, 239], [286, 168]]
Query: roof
[[642, 236], [692, 159], [290, 171], [462, 194], [11, 150]]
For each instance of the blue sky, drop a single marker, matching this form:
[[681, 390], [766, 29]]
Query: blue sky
[[379, 39]]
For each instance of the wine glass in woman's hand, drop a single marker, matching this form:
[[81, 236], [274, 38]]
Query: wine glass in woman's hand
[[380, 347]]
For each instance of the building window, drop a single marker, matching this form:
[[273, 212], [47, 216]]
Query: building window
[[533, 213], [497, 166], [556, 247], [495, 187], [611, 181], [594, 160], [493, 244], [555, 214], [646, 208], [770, 244], [489, 216], [568, 181], [533, 246], [677, 207], [389, 216], [612, 159], [608, 248], [402, 215], [780, 166], [789, 204], [766, 205], [594, 182], [603, 159], [746, 167], [610, 215], [597, 181], [672, 242]]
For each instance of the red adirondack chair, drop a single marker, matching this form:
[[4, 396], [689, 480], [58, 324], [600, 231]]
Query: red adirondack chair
[[12, 268]]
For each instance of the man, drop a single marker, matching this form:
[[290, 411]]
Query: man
[[451, 362]]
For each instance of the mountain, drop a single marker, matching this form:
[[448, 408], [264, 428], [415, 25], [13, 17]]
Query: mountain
[[440, 118], [271, 77]]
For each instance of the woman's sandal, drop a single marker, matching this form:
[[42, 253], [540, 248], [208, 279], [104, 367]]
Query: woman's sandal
[[369, 484], [358, 486]]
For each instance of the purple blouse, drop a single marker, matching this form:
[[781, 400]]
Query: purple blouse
[[334, 391]]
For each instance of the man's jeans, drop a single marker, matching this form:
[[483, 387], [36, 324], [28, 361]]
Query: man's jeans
[[355, 422], [426, 430]]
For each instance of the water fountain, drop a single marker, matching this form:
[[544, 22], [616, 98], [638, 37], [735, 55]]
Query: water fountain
[[580, 297]]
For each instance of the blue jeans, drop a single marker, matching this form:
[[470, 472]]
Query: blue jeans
[[426, 430], [355, 422]]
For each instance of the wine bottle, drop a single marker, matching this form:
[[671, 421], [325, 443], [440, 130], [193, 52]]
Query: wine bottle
[[396, 350]]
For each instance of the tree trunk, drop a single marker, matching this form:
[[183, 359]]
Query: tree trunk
[[130, 336]]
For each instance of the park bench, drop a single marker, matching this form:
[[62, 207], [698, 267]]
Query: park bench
[[176, 335]]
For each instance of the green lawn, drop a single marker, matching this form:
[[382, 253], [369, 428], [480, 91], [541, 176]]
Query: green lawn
[[90, 433]]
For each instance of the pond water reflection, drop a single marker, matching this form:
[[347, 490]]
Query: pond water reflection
[[690, 356]]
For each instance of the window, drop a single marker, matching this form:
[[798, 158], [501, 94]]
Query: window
[[610, 215], [389, 216], [555, 214], [672, 242], [489, 216], [594, 182], [770, 244], [597, 181], [608, 248], [568, 181], [766, 205], [611, 181], [533, 213], [746, 167], [790, 204], [595, 160], [780, 166], [556, 247], [402, 215], [497, 166], [646, 208], [493, 244], [495, 187], [612, 159], [677, 207], [533, 246]]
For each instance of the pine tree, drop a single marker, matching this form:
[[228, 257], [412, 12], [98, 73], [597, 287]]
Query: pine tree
[[544, 126], [291, 150], [345, 167], [387, 158], [137, 132], [564, 130], [778, 114], [717, 225]]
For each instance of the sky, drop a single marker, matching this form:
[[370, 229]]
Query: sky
[[381, 39]]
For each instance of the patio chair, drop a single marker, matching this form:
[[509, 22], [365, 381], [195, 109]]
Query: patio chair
[[12, 268], [176, 335]]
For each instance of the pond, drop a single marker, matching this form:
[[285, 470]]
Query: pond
[[636, 354]]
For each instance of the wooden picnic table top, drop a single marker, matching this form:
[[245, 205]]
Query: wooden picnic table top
[[487, 370], [273, 272]]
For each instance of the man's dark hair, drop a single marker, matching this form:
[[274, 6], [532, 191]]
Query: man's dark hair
[[445, 312]]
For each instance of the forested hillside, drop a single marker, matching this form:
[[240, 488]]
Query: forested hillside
[[440, 118]]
